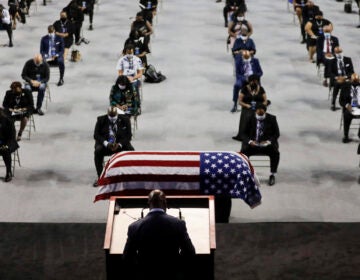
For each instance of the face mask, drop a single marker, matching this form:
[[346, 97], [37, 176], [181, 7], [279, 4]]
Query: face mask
[[37, 64], [253, 86], [247, 59], [260, 118], [240, 18], [327, 35], [112, 119], [121, 87], [52, 35], [338, 55], [63, 20], [129, 56], [243, 37]]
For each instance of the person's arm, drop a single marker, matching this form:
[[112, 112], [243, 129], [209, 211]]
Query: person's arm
[[25, 72], [46, 73], [275, 130], [230, 27], [241, 101], [187, 249], [265, 99], [97, 132], [308, 30], [250, 29], [150, 29]]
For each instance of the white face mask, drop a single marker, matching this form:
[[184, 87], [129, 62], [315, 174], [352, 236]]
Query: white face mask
[[121, 87], [243, 37], [52, 35], [247, 60], [327, 35], [240, 18], [129, 56], [260, 118], [338, 55], [112, 119]]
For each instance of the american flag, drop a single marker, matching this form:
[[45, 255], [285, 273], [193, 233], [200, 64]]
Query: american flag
[[209, 173]]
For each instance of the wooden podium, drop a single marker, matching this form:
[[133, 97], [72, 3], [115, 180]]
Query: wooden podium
[[197, 211]]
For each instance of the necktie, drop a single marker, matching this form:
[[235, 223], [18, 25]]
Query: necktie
[[327, 45], [341, 65], [247, 68], [259, 130]]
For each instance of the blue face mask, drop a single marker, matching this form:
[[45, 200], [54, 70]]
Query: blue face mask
[[327, 35]]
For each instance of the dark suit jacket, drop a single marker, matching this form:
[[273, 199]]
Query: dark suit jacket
[[240, 71], [334, 42], [123, 135], [334, 70], [7, 133], [45, 43], [345, 95], [26, 101], [271, 130], [239, 44], [154, 243]]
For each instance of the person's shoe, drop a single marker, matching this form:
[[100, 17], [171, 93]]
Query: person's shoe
[[303, 41], [346, 139], [91, 27], [11, 45], [234, 109], [271, 180], [8, 177], [95, 184], [325, 83], [61, 82], [78, 43], [333, 108], [237, 138], [39, 112], [86, 41]]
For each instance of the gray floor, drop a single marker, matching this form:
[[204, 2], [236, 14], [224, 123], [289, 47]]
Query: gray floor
[[317, 178]]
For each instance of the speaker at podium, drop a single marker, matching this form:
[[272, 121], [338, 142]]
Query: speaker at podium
[[196, 211]]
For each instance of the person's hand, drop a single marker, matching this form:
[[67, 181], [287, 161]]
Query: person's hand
[[253, 143], [4, 147], [131, 79], [123, 107], [340, 79], [265, 143], [35, 83], [115, 146], [313, 36], [349, 108]]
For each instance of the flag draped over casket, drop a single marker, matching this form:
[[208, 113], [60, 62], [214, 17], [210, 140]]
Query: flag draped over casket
[[208, 173]]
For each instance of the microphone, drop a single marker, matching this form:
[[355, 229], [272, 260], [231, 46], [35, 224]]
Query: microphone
[[142, 212]]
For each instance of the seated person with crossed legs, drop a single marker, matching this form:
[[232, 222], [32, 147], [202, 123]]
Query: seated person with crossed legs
[[350, 102], [260, 137], [36, 73], [112, 135], [18, 105], [8, 142]]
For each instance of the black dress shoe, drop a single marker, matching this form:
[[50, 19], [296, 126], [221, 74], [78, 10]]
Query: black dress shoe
[[60, 83], [91, 27], [234, 109], [95, 184], [39, 112], [303, 41], [8, 177], [333, 108], [237, 138], [346, 140], [271, 180]]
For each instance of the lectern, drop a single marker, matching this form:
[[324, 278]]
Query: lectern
[[197, 211]]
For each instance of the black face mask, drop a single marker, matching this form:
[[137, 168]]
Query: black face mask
[[63, 20], [253, 86]]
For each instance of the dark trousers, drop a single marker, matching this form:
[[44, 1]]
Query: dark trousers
[[59, 61], [336, 88], [6, 155], [101, 152], [270, 151], [90, 11], [77, 30], [8, 28], [348, 116]]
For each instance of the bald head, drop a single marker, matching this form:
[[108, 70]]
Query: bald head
[[246, 54], [112, 111], [355, 78], [38, 59]]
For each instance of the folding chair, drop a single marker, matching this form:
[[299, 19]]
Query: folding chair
[[355, 123], [15, 158], [29, 127], [260, 161]]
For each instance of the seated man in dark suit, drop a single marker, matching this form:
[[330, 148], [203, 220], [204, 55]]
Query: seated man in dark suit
[[8, 142], [36, 73], [19, 105], [156, 239], [65, 29], [112, 135], [260, 137], [243, 42], [350, 102], [340, 69], [245, 66], [52, 50]]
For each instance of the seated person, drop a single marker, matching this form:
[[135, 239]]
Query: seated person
[[325, 44], [238, 23], [87, 7], [340, 69], [8, 142], [231, 6], [350, 102], [65, 29], [250, 96], [243, 42], [140, 48], [5, 23], [245, 66], [131, 66], [298, 9], [260, 137], [314, 28], [112, 134], [36, 73], [123, 96], [18, 105], [308, 14], [149, 9], [52, 50], [143, 26]]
